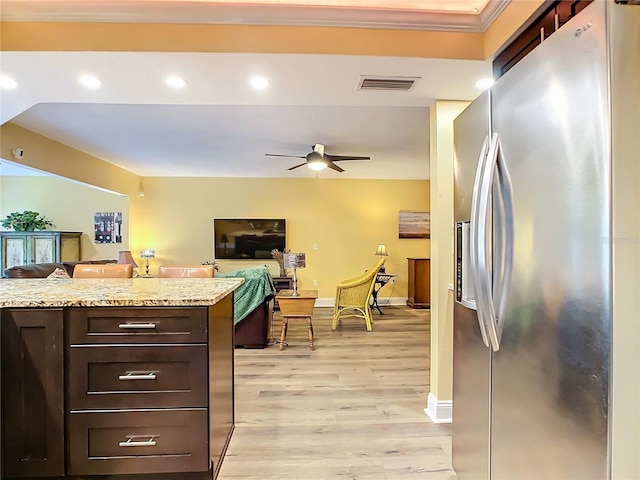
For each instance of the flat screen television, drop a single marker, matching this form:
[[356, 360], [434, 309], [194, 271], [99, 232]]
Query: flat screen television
[[248, 238]]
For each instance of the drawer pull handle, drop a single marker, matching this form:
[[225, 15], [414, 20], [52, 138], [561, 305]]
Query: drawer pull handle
[[137, 376], [146, 443], [149, 326]]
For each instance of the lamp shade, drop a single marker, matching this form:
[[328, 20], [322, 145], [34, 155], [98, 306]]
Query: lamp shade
[[294, 260], [148, 253], [382, 250], [124, 257]]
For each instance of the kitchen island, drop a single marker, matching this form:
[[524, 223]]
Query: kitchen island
[[119, 378]]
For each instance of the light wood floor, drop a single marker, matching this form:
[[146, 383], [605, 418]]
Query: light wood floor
[[351, 409]]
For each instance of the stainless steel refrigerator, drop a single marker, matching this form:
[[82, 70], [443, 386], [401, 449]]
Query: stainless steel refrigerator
[[533, 203]]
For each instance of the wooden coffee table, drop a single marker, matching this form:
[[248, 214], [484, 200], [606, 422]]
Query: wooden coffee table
[[296, 307]]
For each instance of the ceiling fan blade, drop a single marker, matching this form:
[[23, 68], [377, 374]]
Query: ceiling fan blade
[[297, 166], [338, 158], [279, 155], [335, 167]]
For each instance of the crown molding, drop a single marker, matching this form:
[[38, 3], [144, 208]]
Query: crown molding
[[204, 13]]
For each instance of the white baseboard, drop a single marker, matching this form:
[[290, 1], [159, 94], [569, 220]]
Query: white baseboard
[[329, 301], [382, 301], [439, 411], [325, 302]]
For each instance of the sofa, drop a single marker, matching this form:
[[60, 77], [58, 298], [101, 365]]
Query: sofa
[[252, 306], [43, 270]]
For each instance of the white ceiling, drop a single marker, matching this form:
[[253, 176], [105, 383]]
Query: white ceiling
[[219, 126]]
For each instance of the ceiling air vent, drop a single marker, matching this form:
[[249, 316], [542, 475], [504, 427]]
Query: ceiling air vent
[[400, 84]]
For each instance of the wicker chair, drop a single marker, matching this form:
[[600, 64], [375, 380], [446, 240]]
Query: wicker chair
[[353, 296]]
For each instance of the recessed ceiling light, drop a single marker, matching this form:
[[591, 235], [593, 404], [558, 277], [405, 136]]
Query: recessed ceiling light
[[175, 82], [7, 82], [475, 10], [259, 83], [484, 83], [90, 81]]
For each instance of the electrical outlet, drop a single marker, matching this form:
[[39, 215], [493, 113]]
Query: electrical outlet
[[315, 283], [315, 246]]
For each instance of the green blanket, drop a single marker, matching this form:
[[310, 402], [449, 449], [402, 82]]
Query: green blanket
[[256, 287]]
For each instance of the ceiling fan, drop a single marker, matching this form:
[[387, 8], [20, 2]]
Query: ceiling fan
[[318, 160]]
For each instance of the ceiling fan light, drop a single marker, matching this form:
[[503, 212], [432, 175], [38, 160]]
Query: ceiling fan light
[[317, 164]]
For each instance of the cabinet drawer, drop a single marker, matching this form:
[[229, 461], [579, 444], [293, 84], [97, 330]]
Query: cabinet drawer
[[105, 443], [137, 325], [137, 376]]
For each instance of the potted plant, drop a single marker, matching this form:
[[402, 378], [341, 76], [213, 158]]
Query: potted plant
[[27, 221], [279, 257]]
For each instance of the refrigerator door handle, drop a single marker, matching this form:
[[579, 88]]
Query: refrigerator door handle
[[484, 298], [474, 240], [504, 278], [483, 272], [494, 317]]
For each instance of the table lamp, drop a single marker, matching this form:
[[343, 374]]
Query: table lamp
[[125, 257], [382, 252], [147, 254], [294, 260]]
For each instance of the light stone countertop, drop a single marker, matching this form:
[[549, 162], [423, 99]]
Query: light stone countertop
[[114, 292]]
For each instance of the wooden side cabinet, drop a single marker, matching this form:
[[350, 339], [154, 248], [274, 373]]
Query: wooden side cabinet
[[25, 248], [33, 393], [419, 294]]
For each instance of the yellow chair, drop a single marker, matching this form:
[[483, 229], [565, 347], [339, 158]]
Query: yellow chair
[[353, 296], [185, 271], [108, 270]]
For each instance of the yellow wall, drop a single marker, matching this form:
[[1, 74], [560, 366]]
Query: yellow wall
[[70, 206], [441, 171], [28, 36], [508, 24], [45, 154], [346, 218], [139, 37], [49, 156]]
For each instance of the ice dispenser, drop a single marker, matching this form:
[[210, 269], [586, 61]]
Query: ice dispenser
[[464, 278]]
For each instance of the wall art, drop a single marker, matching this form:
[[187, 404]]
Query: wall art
[[412, 224]]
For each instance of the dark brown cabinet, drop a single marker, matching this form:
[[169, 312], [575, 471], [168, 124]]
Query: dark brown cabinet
[[156, 441], [149, 390], [555, 15], [137, 376], [221, 380], [33, 392], [419, 291]]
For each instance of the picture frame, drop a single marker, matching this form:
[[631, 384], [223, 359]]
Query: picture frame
[[107, 227], [414, 224]]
